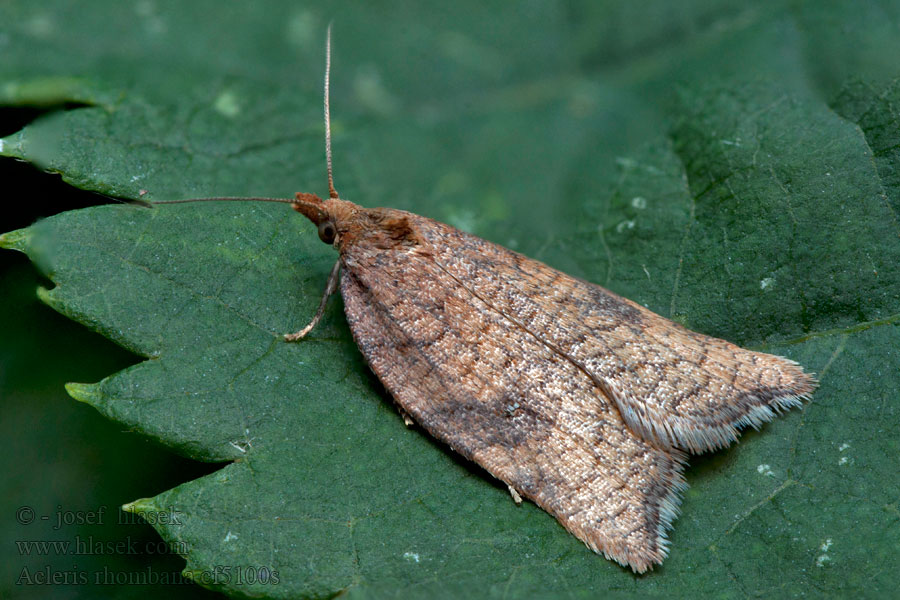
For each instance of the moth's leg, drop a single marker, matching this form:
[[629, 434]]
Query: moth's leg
[[330, 287], [515, 495], [407, 420]]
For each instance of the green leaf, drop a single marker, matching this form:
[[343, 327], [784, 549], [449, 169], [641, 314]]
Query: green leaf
[[733, 167]]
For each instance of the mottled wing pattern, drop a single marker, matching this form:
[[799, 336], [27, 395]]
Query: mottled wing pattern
[[674, 387], [479, 382]]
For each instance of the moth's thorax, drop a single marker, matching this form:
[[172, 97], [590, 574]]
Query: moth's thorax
[[377, 228]]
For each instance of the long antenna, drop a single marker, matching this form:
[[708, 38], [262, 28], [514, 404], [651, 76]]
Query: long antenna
[[332, 193], [222, 199]]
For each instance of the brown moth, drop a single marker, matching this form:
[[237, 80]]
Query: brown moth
[[580, 400]]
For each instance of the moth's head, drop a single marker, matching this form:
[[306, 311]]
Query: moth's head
[[333, 217], [343, 224]]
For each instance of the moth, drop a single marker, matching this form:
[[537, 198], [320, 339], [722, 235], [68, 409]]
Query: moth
[[580, 400]]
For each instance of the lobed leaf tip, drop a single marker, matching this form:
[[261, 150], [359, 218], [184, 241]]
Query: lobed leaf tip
[[192, 574], [89, 393], [10, 147], [18, 239], [49, 298], [140, 506]]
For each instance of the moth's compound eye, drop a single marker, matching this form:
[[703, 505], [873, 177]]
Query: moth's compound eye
[[327, 232]]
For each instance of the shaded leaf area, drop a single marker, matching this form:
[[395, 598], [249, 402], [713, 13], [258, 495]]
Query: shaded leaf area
[[732, 167]]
